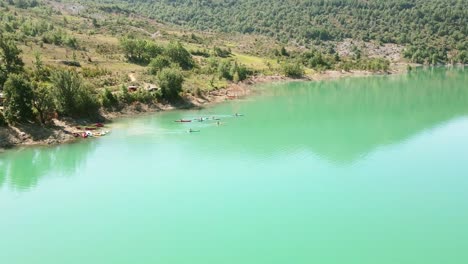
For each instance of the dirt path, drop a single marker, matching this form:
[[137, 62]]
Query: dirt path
[[132, 77]]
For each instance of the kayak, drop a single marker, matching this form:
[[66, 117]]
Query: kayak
[[193, 131], [183, 121]]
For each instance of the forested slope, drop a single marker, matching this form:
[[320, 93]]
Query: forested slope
[[432, 29]]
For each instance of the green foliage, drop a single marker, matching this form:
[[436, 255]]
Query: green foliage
[[60, 38], [2, 120], [425, 54], [223, 53], [124, 96], [25, 3], [10, 61], [142, 96], [140, 50], [94, 72], [43, 102], [40, 71], [232, 71], [438, 23], [159, 63], [179, 55], [292, 69], [224, 70], [108, 100], [200, 52], [170, 80], [72, 96], [18, 99], [283, 52], [317, 60]]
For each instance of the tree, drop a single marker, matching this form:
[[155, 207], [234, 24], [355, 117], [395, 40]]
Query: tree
[[18, 99], [179, 55], [159, 63], [40, 71], [140, 50], [43, 101], [170, 80], [10, 61], [72, 97]]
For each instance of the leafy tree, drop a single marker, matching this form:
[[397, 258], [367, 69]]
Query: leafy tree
[[43, 101], [10, 61], [170, 80], [140, 50], [72, 97], [40, 71], [18, 98], [159, 63], [179, 55]]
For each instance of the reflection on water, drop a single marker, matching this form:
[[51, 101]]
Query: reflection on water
[[22, 169], [344, 120]]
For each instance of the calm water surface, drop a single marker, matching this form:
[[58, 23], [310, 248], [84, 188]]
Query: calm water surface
[[359, 170]]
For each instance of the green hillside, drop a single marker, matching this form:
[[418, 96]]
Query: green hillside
[[434, 30]]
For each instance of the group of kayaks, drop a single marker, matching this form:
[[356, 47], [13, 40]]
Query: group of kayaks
[[203, 119], [91, 131]]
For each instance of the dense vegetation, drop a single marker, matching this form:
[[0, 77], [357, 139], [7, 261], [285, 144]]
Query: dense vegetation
[[432, 29]]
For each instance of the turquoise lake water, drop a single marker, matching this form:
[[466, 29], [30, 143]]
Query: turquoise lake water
[[357, 170]]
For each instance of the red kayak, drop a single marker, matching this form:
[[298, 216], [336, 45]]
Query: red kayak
[[183, 121], [99, 125]]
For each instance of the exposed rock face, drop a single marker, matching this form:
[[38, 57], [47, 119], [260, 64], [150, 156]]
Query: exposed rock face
[[392, 52]]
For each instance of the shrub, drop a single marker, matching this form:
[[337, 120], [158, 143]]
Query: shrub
[[72, 96], [18, 98], [124, 96], [293, 70], [179, 55], [159, 63], [170, 80], [142, 96], [108, 100]]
